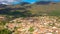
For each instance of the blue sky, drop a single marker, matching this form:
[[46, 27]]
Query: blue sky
[[39, 0], [31, 1]]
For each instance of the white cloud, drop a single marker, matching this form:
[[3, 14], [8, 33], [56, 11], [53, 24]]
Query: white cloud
[[7, 1]]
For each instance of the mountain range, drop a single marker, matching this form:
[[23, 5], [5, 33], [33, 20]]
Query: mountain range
[[12, 2], [35, 8]]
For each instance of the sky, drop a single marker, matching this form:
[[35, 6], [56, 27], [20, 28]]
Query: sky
[[18, 1], [31, 1]]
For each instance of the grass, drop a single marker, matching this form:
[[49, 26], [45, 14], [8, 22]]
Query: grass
[[54, 13], [51, 24], [3, 22], [19, 22], [5, 31], [31, 29]]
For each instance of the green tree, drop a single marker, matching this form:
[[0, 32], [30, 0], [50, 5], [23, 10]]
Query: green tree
[[5, 31]]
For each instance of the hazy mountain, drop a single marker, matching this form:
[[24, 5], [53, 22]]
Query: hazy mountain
[[43, 2], [24, 3]]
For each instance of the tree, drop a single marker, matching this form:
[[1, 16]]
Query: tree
[[5, 31]]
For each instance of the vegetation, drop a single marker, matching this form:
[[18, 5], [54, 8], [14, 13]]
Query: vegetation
[[51, 24], [5, 31], [25, 10], [31, 29], [54, 13], [3, 22]]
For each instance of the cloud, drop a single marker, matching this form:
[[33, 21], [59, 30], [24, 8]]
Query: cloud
[[9, 1]]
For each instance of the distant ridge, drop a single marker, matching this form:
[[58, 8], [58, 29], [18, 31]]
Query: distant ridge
[[37, 2], [43, 2], [3, 6]]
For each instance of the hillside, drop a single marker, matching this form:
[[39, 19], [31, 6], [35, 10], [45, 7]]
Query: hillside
[[30, 18], [33, 8], [45, 8]]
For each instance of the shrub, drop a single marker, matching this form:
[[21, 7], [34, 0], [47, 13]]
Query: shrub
[[54, 13], [5, 31]]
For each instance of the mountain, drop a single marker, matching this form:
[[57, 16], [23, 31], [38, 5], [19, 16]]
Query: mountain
[[2, 5], [43, 2], [38, 7], [24, 3]]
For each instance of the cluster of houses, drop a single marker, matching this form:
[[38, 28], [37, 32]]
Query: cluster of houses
[[41, 25]]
